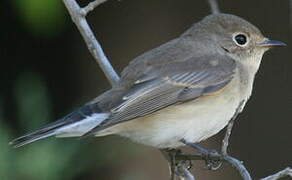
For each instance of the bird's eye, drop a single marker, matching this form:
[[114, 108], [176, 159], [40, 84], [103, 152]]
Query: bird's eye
[[240, 39]]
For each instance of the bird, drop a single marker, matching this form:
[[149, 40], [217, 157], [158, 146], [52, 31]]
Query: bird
[[188, 88]]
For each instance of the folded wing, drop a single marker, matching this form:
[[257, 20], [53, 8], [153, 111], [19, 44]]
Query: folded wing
[[165, 85]]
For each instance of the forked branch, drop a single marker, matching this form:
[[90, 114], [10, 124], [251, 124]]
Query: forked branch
[[78, 16], [235, 163]]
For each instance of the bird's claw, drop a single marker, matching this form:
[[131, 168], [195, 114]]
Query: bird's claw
[[208, 156], [211, 163]]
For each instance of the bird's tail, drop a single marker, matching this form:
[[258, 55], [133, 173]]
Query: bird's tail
[[75, 124]]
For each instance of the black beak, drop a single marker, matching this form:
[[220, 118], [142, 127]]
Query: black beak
[[272, 43]]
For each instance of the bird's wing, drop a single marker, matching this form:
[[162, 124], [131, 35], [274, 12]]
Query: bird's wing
[[159, 86]]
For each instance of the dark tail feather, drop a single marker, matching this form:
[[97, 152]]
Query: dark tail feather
[[51, 128], [29, 138], [46, 131]]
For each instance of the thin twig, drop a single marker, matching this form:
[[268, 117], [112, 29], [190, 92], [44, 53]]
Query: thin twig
[[284, 173], [208, 155], [216, 156], [184, 173], [238, 165], [214, 6], [225, 141], [78, 16], [91, 6]]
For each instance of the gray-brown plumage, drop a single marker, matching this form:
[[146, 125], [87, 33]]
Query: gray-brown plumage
[[187, 88]]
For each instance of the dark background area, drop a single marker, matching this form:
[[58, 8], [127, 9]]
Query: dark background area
[[47, 71]]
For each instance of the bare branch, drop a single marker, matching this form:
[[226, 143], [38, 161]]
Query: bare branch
[[238, 165], [78, 16], [225, 141], [213, 156], [284, 173], [91, 6], [214, 6], [185, 174]]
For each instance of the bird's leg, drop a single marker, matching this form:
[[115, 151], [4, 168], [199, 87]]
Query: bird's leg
[[169, 155], [207, 154], [175, 166]]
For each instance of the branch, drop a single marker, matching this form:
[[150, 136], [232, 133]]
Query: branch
[[284, 173], [214, 6], [91, 6], [238, 165], [214, 156], [184, 172], [78, 16], [225, 141]]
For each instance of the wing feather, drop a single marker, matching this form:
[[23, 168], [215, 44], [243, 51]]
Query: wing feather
[[173, 83]]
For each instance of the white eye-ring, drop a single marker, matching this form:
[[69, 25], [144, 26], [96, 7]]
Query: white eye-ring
[[240, 39]]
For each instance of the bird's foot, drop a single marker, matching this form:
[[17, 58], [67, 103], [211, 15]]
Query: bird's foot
[[176, 166], [212, 157]]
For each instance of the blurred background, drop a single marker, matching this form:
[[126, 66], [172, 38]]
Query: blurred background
[[47, 71]]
